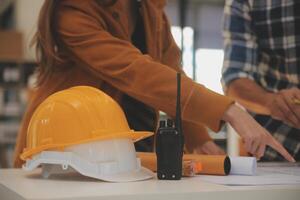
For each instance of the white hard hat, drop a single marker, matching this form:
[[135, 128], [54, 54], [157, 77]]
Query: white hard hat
[[112, 160]]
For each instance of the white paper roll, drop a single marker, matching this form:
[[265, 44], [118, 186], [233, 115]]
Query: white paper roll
[[243, 165]]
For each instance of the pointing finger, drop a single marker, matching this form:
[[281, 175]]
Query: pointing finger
[[280, 149]]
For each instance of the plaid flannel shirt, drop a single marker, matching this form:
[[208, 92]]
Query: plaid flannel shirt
[[262, 43]]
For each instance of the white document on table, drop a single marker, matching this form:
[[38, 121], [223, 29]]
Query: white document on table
[[288, 175]]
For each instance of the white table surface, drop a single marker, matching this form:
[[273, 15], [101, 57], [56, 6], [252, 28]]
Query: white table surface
[[17, 184]]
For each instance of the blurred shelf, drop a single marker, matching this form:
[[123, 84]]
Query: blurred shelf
[[14, 76], [5, 4], [8, 132]]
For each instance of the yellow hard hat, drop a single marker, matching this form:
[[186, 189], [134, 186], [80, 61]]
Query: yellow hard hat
[[76, 115]]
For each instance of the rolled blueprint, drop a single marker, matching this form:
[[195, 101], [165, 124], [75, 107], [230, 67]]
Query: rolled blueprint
[[243, 166], [214, 165]]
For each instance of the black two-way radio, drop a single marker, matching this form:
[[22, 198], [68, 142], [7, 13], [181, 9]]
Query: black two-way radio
[[169, 144]]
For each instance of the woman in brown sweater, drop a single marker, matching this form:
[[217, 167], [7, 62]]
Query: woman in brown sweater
[[125, 48]]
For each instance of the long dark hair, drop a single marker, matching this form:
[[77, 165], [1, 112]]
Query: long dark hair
[[45, 39]]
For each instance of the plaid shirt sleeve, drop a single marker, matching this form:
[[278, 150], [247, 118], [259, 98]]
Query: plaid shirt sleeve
[[240, 47]]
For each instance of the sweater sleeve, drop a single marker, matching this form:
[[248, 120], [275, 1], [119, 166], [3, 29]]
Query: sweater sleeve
[[119, 63]]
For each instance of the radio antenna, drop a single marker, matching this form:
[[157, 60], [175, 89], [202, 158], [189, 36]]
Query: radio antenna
[[178, 105]]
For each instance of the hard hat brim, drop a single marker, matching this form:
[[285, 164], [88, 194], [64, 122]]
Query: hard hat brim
[[134, 135], [138, 175], [69, 162]]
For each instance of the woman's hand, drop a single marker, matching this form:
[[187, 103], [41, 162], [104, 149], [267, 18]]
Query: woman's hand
[[209, 148], [254, 137]]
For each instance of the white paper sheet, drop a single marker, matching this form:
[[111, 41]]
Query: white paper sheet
[[243, 165], [289, 175]]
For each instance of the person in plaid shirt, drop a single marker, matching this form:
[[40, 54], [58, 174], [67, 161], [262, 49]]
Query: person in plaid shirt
[[261, 67]]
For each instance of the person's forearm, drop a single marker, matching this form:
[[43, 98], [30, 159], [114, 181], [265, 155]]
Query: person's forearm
[[250, 95]]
